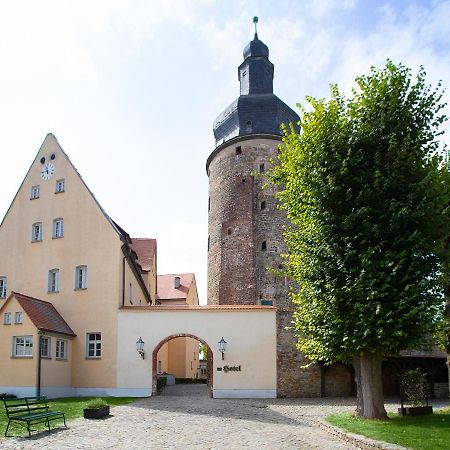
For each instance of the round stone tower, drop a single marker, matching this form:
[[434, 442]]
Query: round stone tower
[[245, 227]]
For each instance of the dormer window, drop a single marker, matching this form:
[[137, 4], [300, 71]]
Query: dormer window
[[36, 232], [35, 190], [59, 186]]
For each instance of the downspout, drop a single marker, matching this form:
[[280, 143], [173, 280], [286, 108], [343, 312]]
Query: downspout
[[39, 368], [123, 281]]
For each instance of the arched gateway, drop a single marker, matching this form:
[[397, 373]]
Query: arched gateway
[[209, 372], [248, 367]]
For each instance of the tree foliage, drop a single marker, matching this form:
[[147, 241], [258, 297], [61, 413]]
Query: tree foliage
[[367, 197]]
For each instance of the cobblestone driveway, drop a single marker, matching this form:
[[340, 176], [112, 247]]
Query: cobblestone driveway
[[186, 418]]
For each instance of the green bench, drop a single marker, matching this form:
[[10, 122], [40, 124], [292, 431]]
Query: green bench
[[30, 411]]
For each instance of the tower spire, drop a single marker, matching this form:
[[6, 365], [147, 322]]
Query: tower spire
[[255, 21]]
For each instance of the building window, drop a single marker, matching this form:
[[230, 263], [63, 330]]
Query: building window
[[248, 126], [18, 317], [209, 242], [53, 280], [36, 232], [263, 205], [238, 150], [3, 284], [7, 318], [58, 228], [81, 277], [59, 186], [61, 349], [262, 168], [263, 246], [22, 346], [35, 190], [93, 345], [209, 204], [45, 347]]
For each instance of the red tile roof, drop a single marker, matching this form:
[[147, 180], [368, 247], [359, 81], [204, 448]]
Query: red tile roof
[[43, 314], [145, 250], [166, 286]]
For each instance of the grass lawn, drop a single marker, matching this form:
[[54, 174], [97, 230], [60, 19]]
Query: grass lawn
[[420, 433], [71, 406]]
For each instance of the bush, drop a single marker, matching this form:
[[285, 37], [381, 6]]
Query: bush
[[96, 403], [2, 396], [161, 384]]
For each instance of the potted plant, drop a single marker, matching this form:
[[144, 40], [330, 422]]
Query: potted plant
[[414, 390], [96, 409]]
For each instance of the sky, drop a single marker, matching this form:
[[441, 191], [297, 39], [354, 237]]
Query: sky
[[131, 88]]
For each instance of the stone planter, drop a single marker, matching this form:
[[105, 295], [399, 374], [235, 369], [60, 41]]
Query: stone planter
[[415, 410], [96, 413]]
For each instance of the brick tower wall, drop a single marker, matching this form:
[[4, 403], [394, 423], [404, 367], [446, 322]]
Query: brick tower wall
[[239, 262]]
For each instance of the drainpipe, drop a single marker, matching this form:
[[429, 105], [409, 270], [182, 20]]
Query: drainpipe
[[39, 368], [123, 281]]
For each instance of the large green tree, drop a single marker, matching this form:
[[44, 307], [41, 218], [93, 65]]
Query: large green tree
[[368, 199]]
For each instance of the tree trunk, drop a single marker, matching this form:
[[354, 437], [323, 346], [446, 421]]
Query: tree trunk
[[369, 386]]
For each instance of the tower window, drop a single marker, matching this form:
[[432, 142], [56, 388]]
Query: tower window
[[229, 231], [248, 126], [238, 150], [263, 246], [263, 205], [262, 168], [209, 204], [208, 242]]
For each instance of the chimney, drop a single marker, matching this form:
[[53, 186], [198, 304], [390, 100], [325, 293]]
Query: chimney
[[177, 282]]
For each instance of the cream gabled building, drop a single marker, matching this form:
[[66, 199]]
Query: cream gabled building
[[59, 246], [77, 294]]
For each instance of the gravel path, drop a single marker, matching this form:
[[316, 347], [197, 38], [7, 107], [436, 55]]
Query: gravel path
[[186, 418]]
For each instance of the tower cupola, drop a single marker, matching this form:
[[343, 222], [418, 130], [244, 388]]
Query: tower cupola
[[257, 111]]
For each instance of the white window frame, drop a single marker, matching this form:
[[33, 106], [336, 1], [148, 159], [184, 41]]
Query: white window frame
[[58, 228], [7, 318], [36, 232], [60, 186], [22, 347], [18, 317], [46, 349], [3, 286], [35, 192], [94, 347], [53, 280], [81, 277], [61, 349]]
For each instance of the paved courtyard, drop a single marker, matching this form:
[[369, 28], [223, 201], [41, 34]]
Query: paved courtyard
[[186, 418]]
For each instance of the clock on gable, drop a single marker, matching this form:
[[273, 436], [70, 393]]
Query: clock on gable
[[48, 169]]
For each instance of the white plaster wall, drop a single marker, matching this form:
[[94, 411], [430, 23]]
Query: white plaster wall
[[250, 334]]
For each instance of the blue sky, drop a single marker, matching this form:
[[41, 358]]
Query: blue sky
[[131, 89]]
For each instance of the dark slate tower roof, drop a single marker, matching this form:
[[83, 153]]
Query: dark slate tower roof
[[257, 110]]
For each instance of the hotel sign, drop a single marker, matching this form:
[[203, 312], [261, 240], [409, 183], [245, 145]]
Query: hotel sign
[[227, 369]]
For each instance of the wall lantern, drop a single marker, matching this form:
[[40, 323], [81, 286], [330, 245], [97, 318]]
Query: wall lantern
[[222, 346], [140, 347]]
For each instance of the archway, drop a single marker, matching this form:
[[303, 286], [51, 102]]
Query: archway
[[209, 372]]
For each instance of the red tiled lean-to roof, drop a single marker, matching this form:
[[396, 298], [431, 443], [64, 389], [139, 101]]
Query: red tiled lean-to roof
[[167, 289], [145, 250], [43, 314]]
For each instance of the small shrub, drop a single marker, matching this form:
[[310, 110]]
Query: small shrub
[[96, 403], [161, 384], [5, 396]]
